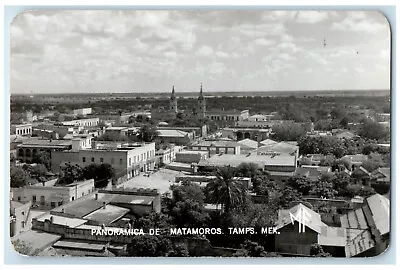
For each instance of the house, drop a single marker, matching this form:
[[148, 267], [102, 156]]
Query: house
[[300, 227], [191, 156], [367, 228], [247, 145], [362, 175], [174, 136], [21, 129], [126, 158], [355, 160], [216, 147], [279, 167], [49, 196], [19, 216], [312, 172], [381, 175], [278, 148]]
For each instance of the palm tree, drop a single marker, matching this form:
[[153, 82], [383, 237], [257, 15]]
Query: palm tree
[[225, 190]]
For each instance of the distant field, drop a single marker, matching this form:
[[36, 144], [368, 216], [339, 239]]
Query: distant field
[[97, 96]]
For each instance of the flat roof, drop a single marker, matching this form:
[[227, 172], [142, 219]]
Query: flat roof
[[108, 214], [235, 160], [38, 143], [60, 220]]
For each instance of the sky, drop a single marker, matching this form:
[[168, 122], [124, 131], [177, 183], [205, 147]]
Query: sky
[[135, 51]]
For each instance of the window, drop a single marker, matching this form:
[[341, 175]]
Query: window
[[134, 159], [19, 198], [101, 160], [92, 159], [83, 159], [59, 203], [23, 213], [73, 198], [33, 198], [53, 204], [23, 224], [83, 194], [130, 161], [120, 161]]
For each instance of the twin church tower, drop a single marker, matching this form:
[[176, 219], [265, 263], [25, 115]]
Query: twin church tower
[[199, 111]]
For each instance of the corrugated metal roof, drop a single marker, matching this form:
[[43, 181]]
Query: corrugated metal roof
[[313, 220], [332, 236], [380, 208]]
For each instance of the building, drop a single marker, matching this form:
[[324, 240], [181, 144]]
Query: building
[[227, 115], [21, 129], [82, 112], [278, 148], [216, 147], [368, 228], [258, 122], [381, 175], [191, 156], [177, 137], [167, 155], [201, 104], [173, 103], [127, 159], [248, 146], [86, 122], [50, 196], [355, 161], [312, 172], [267, 163], [199, 132], [300, 227], [256, 134], [27, 150], [203, 180], [19, 216]]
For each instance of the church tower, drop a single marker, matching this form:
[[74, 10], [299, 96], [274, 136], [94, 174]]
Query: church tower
[[173, 103], [201, 104]]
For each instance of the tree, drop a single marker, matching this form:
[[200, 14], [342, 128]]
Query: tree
[[149, 246], [289, 195], [41, 157], [288, 132], [147, 133], [360, 190], [340, 183], [226, 191], [189, 214], [101, 173], [70, 174], [301, 184], [179, 250], [373, 130], [321, 145], [317, 251], [38, 171], [19, 177], [187, 191], [153, 220], [323, 188], [253, 249]]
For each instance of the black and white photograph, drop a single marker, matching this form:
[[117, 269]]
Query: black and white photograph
[[200, 133]]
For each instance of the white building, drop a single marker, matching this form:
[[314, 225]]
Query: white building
[[83, 111], [129, 159], [22, 129]]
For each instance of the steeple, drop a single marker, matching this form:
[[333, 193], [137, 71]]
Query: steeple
[[173, 93], [201, 97], [173, 103], [201, 104]]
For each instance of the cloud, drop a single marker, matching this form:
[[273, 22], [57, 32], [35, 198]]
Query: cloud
[[289, 47], [222, 54], [311, 16], [360, 22], [264, 42], [286, 56], [205, 51]]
